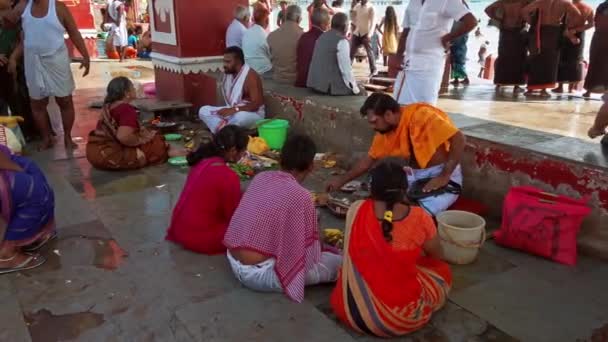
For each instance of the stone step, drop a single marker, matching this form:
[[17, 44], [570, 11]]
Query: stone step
[[388, 81], [374, 87]]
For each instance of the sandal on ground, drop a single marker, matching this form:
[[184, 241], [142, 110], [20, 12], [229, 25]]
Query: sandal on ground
[[37, 245], [31, 262]]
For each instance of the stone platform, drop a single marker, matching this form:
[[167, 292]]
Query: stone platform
[[498, 156]]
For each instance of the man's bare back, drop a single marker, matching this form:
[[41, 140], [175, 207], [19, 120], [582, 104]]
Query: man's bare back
[[508, 13], [586, 16], [553, 12], [252, 89]]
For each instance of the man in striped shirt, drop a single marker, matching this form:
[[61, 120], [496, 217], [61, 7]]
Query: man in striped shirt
[[273, 238]]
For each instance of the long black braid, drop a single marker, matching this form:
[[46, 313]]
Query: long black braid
[[388, 185]]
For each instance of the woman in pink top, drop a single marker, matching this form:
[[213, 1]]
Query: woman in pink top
[[211, 194]]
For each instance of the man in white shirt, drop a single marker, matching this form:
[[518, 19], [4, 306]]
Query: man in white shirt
[[330, 69], [425, 40], [238, 27], [120, 37], [364, 21], [255, 46]]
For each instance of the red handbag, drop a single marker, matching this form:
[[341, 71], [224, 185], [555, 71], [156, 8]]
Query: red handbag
[[541, 223]]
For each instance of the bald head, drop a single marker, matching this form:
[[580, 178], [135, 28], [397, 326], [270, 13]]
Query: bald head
[[320, 18], [339, 22]]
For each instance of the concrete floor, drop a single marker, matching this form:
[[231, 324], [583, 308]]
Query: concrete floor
[[112, 277]]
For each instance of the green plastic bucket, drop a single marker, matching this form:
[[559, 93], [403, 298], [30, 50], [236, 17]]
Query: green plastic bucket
[[274, 132]]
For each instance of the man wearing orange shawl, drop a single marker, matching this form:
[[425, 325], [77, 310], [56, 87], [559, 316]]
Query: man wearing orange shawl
[[427, 132]]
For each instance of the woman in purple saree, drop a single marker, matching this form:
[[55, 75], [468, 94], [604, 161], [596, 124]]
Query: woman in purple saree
[[27, 205]]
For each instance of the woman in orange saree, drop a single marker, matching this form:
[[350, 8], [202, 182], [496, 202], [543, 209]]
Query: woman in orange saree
[[391, 280]]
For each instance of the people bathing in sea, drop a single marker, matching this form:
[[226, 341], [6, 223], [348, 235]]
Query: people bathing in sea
[[211, 194], [27, 214], [242, 92], [119, 142], [421, 134], [273, 239], [412, 282], [330, 69]]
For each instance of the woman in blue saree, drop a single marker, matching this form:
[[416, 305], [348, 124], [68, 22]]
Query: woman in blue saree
[[27, 205]]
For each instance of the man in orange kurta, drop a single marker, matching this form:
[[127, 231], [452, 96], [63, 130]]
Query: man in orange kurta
[[437, 146]]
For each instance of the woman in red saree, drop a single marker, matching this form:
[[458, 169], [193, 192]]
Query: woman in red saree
[[118, 142], [211, 194], [400, 296]]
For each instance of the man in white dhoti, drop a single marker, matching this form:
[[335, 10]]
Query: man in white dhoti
[[243, 94], [47, 63], [118, 28], [425, 40]]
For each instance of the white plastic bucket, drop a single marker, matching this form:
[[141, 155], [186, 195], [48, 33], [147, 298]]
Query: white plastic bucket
[[461, 235]]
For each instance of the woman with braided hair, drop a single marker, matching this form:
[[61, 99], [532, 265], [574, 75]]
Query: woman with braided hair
[[211, 194], [392, 280]]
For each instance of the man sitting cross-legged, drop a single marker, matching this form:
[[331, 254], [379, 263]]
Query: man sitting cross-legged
[[242, 90], [273, 238]]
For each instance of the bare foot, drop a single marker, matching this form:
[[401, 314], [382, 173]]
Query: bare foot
[[594, 132], [46, 144], [70, 144]]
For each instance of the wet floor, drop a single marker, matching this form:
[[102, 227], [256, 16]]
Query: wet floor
[[111, 276], [46, 327]]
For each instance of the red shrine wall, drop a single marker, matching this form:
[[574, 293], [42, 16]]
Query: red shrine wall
[[82, 11], [200, 27], [188, 42]]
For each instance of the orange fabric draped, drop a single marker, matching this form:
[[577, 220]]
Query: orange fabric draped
[[429, 129], [382, 290]]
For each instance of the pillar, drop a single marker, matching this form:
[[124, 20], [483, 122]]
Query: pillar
[[82, 11], [188, 42]]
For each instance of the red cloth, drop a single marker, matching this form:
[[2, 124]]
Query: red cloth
[[388, 289], [277, 218], [541, 223], [306, 47], [125, 115], [205, 207]]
